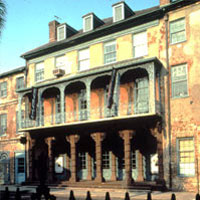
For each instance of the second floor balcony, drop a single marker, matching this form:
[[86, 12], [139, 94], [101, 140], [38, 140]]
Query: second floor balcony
[[119, 92]]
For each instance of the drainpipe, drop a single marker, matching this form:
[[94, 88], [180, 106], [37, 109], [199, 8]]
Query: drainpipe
[[166, 18]]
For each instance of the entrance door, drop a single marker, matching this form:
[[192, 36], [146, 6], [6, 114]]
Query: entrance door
[[82, 162], [4, 168], [19, 167], [120, 168], [106, 165], [134, 165]]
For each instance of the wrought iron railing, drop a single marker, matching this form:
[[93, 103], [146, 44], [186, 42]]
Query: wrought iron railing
[[123, 109]]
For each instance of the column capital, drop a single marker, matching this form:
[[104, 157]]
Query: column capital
[[126, 133], [73, 138], [98, 136]]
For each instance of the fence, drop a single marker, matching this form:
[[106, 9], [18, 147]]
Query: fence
[[6, 195]]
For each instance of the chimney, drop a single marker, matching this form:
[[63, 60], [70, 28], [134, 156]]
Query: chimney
[[53, 31], [164, 2]]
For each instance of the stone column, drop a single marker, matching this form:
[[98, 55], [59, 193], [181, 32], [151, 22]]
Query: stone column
[[114, 167], [31, 144], [73, 139], [89, 174], [98, 138], [157, 132], [50, 160], [127, 136], [140, 176]]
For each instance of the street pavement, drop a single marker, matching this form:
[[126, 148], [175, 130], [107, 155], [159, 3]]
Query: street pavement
[[62, 193]]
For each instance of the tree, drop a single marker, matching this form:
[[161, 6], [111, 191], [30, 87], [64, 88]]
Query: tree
[[2, 15]]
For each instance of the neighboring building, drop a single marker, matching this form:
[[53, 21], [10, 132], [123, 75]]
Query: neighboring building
[[118, 101], [12, 152]]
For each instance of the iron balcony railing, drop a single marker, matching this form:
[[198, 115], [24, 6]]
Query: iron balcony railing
[[122, 110]]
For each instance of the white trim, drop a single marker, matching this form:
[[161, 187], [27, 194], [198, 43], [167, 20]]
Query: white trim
[[91, 22], [114, 10], [58, 30]]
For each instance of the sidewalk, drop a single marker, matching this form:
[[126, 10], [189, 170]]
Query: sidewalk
[[62, 193]]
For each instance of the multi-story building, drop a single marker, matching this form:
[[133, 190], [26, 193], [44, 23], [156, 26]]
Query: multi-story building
[[117, 102], [12, 151]]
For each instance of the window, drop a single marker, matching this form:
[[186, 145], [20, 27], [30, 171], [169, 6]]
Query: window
[[20, 83], [140, 44], [84, 59], [20, 166], [82, 160], [61, 32], [133, 159], [186, 157], [3, 124], [83, 104], [141, 94], [3, 89], [87, 23], [39, 72], [118, 13], [110, 52], [179, 81], [106, 160], [58, 109], [177, 31]]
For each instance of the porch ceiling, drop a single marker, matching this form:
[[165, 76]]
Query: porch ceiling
[[101, 125]]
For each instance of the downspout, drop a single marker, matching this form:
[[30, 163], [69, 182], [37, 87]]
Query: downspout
[[166, 18]]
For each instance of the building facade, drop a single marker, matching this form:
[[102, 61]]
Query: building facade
[[12, 151], [117, 102]]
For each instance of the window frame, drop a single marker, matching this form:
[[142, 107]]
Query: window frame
[[171, 33], [122, 12], [145, 44], [40, 71], [82, 60], [3, 132], [172, 82], [18, 83], [178, 156], [113, 42], [58, 32], [3, 89], [91, 23]]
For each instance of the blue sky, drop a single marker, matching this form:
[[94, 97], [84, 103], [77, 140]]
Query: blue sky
[[27, 21]]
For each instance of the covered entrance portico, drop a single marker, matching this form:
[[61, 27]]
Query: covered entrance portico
[[111, 155]]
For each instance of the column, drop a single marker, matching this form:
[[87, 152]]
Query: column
[[73, 139], [20, 112], [89, 167], [140, 176], [152, 86], [114, 167], [157, 133], [39, 117], [88, 83], [31, 144], [160, 158], [98, 138], [127, 136], [62, 103], [50, 159]]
